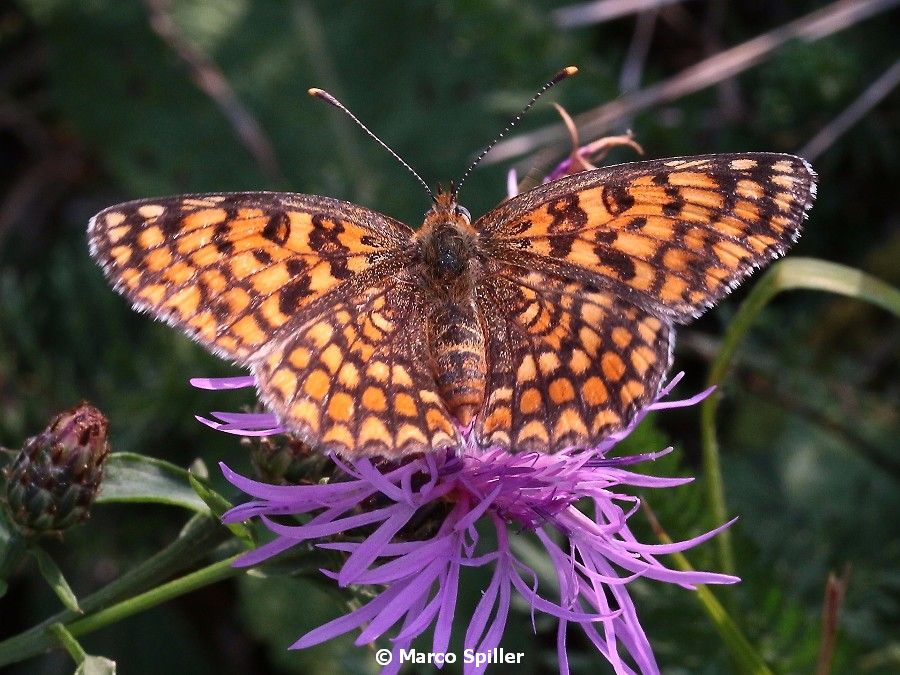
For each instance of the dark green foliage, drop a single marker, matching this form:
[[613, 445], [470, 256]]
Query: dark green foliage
[[99, 109]]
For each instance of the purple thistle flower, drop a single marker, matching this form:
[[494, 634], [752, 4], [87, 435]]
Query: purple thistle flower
[[528, 494], [239, 424], [521, 493]]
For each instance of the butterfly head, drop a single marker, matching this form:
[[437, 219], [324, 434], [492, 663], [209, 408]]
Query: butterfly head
[[446, 209]]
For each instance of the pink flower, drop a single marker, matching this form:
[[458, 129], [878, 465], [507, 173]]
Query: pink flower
[[518, 495]]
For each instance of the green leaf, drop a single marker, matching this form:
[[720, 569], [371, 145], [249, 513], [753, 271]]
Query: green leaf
[[216, 502], [219, 505], [129, 477], [276, 610], [785, 275], [3, 588], [54, 577], [96, 665]]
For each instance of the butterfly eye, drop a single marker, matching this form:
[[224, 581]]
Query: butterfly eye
[[464, 212]]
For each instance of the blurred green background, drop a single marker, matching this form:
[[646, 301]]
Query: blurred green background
[[100, 103]]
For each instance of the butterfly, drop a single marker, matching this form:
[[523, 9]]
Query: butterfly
[[545, 324]]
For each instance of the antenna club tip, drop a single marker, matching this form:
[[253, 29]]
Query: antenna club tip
[[568, 71], [315, 92]]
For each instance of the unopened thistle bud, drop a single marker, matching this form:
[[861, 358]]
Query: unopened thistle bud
[[56, 476]]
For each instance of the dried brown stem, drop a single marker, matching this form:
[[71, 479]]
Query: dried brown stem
[[589, 13], [813, 26], [633, 68], [835, 590], [211, 81], [853, 113]]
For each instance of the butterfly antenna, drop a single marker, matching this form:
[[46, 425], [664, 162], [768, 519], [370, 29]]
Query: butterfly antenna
[[331, 100], [556, 79]]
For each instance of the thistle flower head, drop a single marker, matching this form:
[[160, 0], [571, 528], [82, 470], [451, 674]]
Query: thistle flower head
[[54, 479], [409, 529], [372, 507]]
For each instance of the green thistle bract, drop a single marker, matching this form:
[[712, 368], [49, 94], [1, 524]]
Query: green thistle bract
[[285, 460]]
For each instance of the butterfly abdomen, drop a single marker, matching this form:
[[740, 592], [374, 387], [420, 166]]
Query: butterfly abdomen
[[456, 341]]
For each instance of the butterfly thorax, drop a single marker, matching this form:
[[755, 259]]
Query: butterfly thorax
[[448, 261], [448, 257], [448, 269]]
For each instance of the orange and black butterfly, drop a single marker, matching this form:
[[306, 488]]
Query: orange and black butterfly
[[543, 325]]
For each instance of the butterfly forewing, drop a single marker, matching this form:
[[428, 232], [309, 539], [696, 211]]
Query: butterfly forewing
[[672, 235], [236, 270]]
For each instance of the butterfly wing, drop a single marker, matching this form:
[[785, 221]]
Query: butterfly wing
[[237, 270], [589, 272], [672, 236], [310, 292], [568, 365], [356, 378]]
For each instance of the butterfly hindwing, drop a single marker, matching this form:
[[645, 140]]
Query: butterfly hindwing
[[672, 236], [236, 270], [568, 364], [357, 380]]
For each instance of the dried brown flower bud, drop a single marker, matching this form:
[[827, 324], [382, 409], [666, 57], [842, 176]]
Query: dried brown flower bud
[[56, 476]]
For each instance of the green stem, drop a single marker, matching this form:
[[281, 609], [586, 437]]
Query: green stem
[[202, 577], [759, 297], [790, 274], [201, 534], [67, 640], [741, 649], [745, 656]]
